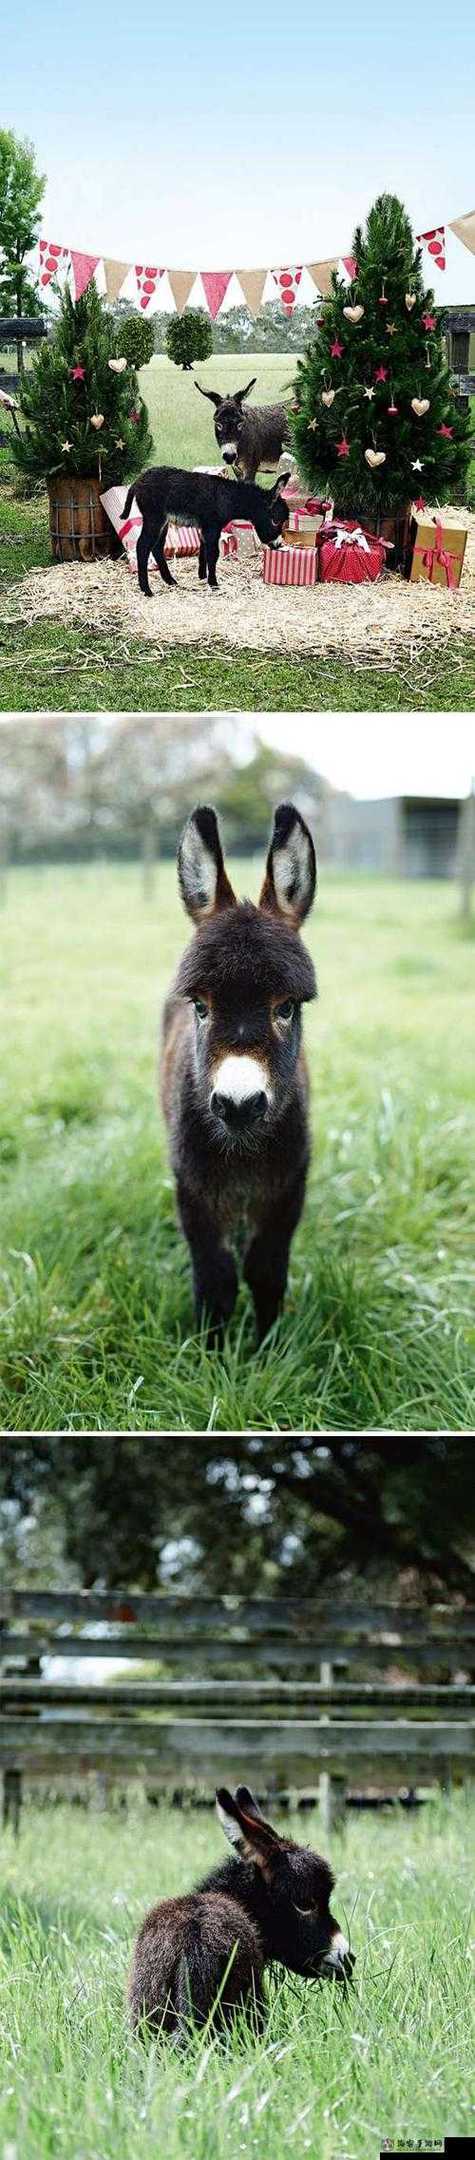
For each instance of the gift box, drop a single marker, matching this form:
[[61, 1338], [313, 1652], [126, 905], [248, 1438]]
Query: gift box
[[232, 534], [289, 566], [303, 527], [437, 552], [349, 556], [180, 540]]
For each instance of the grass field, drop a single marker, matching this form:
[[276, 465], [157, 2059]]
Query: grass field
[[391, 2060], [97, 1325], [48, 666]]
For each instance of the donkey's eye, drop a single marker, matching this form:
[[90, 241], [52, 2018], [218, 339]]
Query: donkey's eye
[[285, 1011], [201, 1009]]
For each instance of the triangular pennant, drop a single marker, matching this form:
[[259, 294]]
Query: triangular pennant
[[147, 275], [115, 274], [83, 267], [215, 285], [434, 241], [252, 283], [322, 274], [181, 282], [51, 257], [287, 281], [350, 265], [464, 227]]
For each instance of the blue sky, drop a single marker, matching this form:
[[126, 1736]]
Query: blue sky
[[205, 135]]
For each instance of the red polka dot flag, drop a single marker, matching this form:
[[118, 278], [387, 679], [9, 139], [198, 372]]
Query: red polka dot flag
[[287, 282]]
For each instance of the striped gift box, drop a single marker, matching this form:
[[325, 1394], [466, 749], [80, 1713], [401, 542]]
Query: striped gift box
[[180, 540], [290, 566]]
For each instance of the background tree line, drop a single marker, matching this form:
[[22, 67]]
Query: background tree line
[[243, 1513]]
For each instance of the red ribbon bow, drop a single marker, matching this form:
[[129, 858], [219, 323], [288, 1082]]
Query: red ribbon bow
[[438, 554]]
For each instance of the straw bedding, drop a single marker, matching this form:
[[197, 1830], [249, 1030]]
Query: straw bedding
[[363, 622]]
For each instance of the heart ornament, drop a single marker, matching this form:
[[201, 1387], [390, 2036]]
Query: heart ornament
[[410, 298], [118, 366], [353, 314], [420, 405], [328, 396], [97, 419], [375, 457]]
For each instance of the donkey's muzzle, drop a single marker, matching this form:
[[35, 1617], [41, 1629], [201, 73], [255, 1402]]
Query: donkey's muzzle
[[238, 1117]]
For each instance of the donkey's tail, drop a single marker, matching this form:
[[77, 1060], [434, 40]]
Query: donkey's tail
[[128, 501]]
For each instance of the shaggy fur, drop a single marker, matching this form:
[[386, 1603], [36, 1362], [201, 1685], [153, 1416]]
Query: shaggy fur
[[203, 499], [240, 1147], [251, 438], [272, 1903]]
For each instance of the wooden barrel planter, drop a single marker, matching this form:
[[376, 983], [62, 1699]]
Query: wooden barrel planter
[[397, 529], [80, 530]]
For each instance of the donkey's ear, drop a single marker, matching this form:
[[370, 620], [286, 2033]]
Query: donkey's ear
[[204, 886], [214, 395], [242, 1822], [291, 868], [240, 394], [280, 483]]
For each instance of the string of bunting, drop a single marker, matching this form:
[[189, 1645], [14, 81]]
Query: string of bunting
[[285, 281]]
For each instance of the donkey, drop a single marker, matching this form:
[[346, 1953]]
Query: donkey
[[204, 499], [247, 439], [203, 1955], [234, 1080]]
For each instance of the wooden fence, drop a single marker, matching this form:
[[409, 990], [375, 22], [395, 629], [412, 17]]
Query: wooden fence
[[282, 1693]]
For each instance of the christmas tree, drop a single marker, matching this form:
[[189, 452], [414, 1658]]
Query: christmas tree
[[375, 421], [80, 402]]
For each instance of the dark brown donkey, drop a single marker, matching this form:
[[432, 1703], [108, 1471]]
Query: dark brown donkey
[[206, 1951], [234, 1080]]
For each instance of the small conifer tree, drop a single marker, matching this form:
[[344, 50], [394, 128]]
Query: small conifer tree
[[375, 421]]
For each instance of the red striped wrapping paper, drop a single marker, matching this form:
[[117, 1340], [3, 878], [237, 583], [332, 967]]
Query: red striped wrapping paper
[[289, 566], [181, 539]]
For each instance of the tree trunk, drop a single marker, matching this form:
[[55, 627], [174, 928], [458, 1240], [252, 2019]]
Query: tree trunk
[[19, 297], [149, 853]]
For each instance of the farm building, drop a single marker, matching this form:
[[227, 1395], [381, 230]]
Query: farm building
[[399, 835]]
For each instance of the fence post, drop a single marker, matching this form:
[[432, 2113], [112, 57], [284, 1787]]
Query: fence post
[[467, 857], [331, 1789], [12, 1799]]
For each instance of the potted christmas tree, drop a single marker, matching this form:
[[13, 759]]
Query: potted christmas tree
[[375, 423], [85, 425]]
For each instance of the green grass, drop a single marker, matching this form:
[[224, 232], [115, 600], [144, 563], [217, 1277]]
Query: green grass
[[46, 666], [97, 1329], [391, 2060]]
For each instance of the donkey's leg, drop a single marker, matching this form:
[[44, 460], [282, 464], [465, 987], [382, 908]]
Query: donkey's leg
[[212, 536], [144, 549], [267, 1259], [202, 566], [160, 557], [215, 1279]]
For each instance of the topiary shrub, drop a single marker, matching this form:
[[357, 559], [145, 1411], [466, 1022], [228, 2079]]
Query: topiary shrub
[[135, 340], [189, 337]]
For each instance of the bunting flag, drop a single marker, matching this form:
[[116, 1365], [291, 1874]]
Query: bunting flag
[[252, 284], [115, 274], [83, 267], [181, 282], [215, 285], [51, 257], [322, 273], [287, 282], [434, 241], [148, 277], [464, 227]]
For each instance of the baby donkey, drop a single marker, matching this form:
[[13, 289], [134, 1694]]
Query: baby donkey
[[234, 1079], [206, 500], [202, 1956]]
